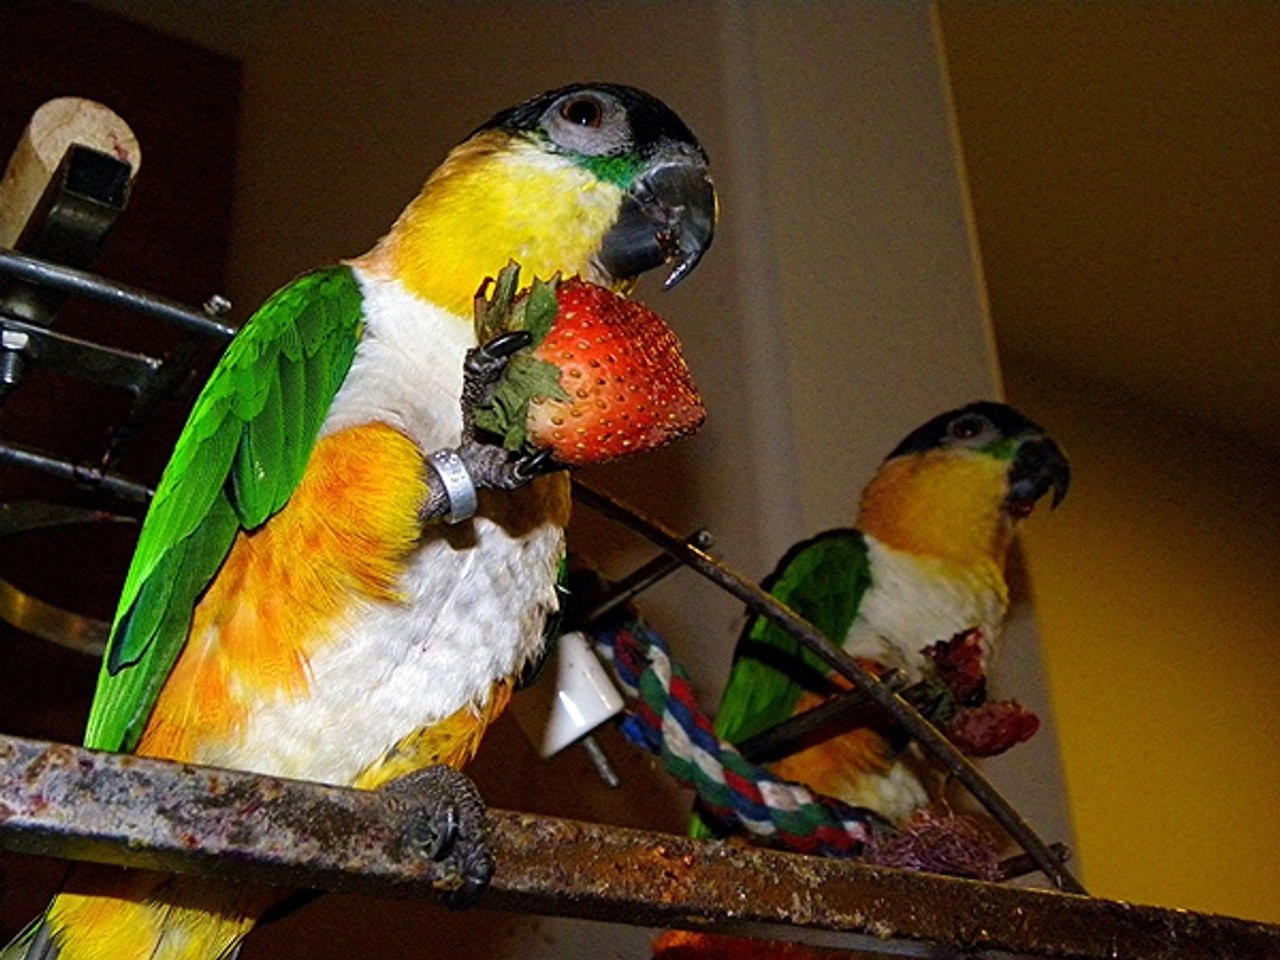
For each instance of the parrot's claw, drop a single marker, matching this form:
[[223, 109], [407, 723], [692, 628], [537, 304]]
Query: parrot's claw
[[501, 347], [445, 821], [483, 366], [494, 468], [476, 465], [528, 468]]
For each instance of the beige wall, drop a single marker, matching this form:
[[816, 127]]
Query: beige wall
[[1159, 611], [879, 308], [1122, 161]]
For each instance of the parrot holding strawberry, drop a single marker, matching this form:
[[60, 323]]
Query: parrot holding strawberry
[[917, 590], [339, 577]]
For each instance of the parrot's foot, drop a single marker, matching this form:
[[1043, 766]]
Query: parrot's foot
[[445, 820], [483, 366], [474, 464], [492, 466]]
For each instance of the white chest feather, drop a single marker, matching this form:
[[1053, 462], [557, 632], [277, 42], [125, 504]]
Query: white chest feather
[[407, 369], [474, 596], [915, 602]]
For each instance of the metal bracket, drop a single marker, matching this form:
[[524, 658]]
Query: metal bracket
[[26, 337], [32, 615], [202, 322], [72, 219]]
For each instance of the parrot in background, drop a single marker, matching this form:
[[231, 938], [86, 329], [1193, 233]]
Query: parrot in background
[[924, 563], [287, 610]]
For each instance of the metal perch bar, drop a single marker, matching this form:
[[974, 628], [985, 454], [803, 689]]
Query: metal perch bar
[[67, 802], [63, 801], [903, 713], [122, 488], [636, 582], [93, 287]]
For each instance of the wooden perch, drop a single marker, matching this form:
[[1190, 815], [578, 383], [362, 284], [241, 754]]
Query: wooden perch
[[54, 127]]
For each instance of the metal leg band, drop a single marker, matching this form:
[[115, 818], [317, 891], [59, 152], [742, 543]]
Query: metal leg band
[[458, 485]]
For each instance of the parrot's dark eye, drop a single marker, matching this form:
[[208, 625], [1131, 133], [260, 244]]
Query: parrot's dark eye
[[966, 428], [590, 123], [583, 111]]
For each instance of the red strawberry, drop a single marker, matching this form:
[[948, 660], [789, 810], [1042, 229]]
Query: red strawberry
[[959, 663], [622, 384], [992, 728], [627, 383]]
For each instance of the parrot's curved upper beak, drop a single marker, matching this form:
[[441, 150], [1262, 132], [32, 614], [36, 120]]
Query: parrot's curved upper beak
[[1038, 467], [668, 216]]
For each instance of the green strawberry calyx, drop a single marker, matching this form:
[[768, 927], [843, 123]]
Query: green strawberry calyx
[[525, 377]]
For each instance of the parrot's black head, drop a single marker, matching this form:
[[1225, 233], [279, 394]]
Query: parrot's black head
[[1036, 463], [646, 120], [633, 140]]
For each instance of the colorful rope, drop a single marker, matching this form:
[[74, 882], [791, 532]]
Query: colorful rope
[[666, 721]]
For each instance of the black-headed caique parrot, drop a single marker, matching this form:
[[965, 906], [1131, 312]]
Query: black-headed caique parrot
[[287, 610], [924, 564]]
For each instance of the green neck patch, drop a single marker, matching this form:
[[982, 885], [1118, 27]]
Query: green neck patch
[[1006, 448], [619, 169]]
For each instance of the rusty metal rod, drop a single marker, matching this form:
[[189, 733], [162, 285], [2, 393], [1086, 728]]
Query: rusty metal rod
[[567, 868], [830, 718], [86, 284], [63, 801], [902, 712], [636, 582], [122, 488]]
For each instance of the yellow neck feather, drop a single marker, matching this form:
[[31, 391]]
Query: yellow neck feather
[[941, 504], [496, 198]]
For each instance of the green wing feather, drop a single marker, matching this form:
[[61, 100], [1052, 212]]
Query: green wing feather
[[823, 581], [238, 459]]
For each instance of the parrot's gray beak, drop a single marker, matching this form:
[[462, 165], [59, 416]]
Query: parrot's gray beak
[[1038, 467], [667, 217]]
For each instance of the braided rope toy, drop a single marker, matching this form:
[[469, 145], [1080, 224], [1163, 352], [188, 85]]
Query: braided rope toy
[[667, 722]]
